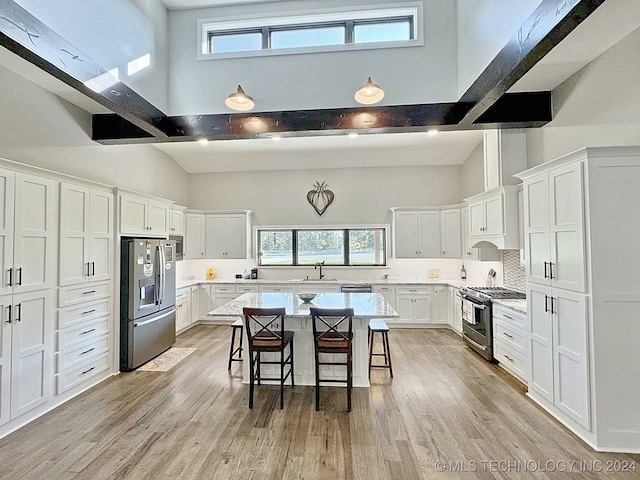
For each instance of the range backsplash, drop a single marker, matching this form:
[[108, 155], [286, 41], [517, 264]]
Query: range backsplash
[[514, 273]]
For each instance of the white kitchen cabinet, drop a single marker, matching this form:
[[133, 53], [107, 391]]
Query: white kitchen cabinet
[[140, 215], [226, 235], [205, 300], [83, 346], [194, 235], [194, 295], [175, 220], [416, 233], [511, 341], [493, 218], [27, 232], [389, 294], [582, 354], [86, 234], [554, 228], [486, 253], [413, 304], [455, 309], [451, 233], [183, 309], [26, 344], [439, 305], [505, 154], [558, 346], [278, 288]]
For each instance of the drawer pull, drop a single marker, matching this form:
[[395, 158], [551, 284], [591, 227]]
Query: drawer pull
[[508, 358], [87, 371], [507, 316], [87, 351], [88, 312], [507, 335], [90, 291], [88, 331]]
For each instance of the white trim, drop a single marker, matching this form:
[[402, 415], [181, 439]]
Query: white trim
[[206, 25]]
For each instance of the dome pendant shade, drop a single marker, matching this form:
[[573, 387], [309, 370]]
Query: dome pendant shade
[[239, 101], [369, 93]]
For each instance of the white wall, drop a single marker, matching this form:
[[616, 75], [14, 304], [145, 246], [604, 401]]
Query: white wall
[[483, 28], [425, 74], [40, 129], [112, 33], [362, 195], [473, 173], [598, 106]]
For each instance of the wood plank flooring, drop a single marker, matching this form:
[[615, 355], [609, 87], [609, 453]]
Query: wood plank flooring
[[446, 414]]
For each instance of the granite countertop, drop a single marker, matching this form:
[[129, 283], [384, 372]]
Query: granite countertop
[[458, 283], [519, 305], [364, 304]]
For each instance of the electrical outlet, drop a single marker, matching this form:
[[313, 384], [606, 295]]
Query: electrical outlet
[[434, 273]]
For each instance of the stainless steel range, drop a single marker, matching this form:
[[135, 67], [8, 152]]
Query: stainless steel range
[[477, 325]]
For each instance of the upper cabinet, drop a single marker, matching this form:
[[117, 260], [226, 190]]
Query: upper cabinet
[[176, 220], [416, 233], [554, 228], [140, 215], [493, 218], [486, 253], [194, 236], [28, 229], [218, 234], [505, 154], [226, 235], [451, 233], [86, 234]]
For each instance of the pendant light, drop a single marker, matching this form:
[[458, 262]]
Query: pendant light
[[239, 101], [369, 93]]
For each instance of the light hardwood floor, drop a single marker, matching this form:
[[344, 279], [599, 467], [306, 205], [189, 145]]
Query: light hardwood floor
[[445, 404]]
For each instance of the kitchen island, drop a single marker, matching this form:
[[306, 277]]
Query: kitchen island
[[298, 320]]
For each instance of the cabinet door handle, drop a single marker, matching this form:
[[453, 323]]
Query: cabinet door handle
[[88, 292], [87, 312], [87, 351], [552, 311], [10, 282], [93, 268], [551, 270], [546, 303], [507, 316], [8, 313], [88, 272], [19, 275], [508, 358], [87, 371], [18, 312], [87, 331], [507, 335]]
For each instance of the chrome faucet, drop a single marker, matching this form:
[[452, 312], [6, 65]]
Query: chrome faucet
[[319, 264]]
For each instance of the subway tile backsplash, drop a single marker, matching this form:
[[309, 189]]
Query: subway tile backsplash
[[514, 273]]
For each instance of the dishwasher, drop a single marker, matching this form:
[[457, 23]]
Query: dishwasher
[[355, 288]]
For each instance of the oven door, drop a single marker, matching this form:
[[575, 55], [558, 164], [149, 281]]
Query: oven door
[[476, 325]]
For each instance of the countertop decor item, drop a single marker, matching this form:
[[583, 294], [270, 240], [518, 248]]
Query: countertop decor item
[[210, 273], [306, 297], [321, 197]]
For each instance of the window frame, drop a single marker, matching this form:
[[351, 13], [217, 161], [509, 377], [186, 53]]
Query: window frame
[[348, 16], [346, 251]]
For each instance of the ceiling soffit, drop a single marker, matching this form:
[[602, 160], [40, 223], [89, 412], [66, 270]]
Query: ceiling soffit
[[485, 105]]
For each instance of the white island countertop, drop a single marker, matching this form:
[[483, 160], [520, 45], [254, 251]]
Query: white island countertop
[[368, 305]]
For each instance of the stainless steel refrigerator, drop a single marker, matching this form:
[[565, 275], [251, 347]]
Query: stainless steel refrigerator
[[147, 300]]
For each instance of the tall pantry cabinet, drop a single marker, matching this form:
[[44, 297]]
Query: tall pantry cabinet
[[28, 231], [583, 292]]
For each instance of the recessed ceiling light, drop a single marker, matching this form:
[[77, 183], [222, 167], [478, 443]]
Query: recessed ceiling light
[[432, 132], [276, 138], [353, 134], [203, 141]]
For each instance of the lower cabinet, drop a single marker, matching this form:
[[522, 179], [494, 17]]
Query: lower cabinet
[[510, 344], [183, 309], [389, 294], [559, 375], [413, 304], [440, 305], [455, 309], [83, 345], [26, 353]]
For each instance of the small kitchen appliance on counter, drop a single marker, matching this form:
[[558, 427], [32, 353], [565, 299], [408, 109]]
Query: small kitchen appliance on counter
[[477, 323]]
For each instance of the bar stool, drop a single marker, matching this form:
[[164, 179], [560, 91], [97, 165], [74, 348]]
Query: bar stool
[[377, 325], [333, 333], [237, 325]]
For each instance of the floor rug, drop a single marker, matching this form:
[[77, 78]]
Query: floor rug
[[167, 360]]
